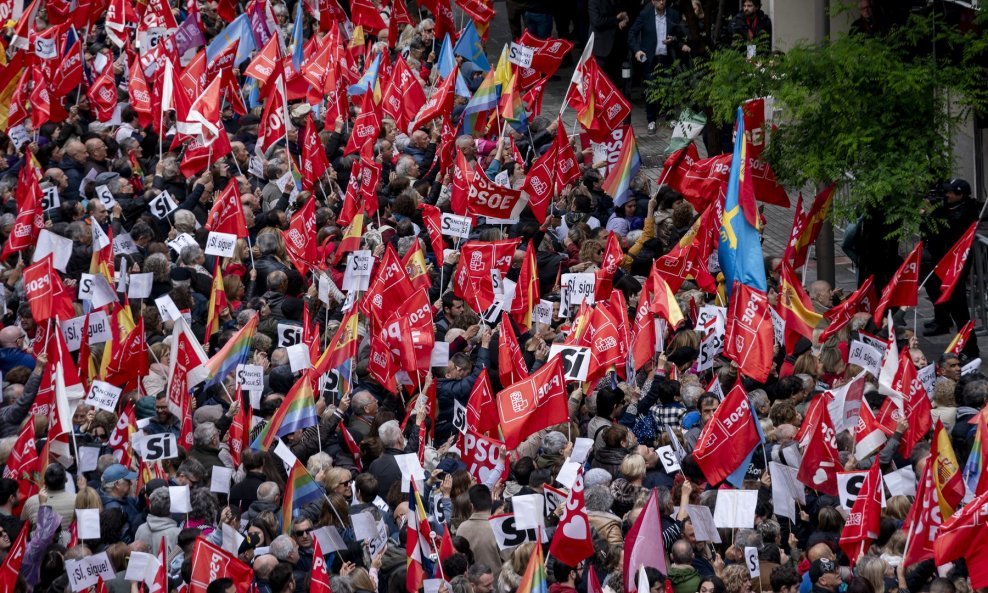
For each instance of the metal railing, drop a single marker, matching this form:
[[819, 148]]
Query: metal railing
[[977, 297]]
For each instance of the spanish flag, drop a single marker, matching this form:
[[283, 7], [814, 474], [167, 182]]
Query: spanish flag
[[217, 302], [664, 300], [527, 291], [342, 347], [947, 477], [795, 307], [414, 262], [351, 238]]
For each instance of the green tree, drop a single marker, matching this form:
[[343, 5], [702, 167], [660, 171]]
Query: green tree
[[876, 114]]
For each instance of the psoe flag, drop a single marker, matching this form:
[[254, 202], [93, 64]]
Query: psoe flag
[[740, 248]]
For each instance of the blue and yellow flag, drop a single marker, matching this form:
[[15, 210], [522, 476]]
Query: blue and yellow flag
[[740, 247]]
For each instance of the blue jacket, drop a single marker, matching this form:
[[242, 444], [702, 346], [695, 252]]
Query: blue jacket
[[130, 510], [448, 390], [15, 357]]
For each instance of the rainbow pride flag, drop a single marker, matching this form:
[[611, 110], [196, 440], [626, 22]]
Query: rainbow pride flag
[[534, 581], [298, 411], [618, 182], [513, 108], [300, 489], [484, 100], [974, 475], [233, 353]]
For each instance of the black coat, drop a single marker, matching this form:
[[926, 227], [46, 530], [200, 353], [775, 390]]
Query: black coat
[[244, 492], [755, 30], [643, 37], [604, 24]]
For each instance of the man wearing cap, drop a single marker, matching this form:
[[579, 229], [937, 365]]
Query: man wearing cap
[[115, 493], [825, 576], [949, 220]]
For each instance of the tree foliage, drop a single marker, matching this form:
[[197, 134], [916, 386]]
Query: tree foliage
[[875, 114]]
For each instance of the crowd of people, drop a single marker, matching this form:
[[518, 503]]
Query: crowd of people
[[372, 451]]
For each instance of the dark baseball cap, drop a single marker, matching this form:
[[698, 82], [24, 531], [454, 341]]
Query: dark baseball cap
[[820, 567], [958, 186]]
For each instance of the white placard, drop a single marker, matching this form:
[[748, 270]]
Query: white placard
[[123, 244], [711, 324], [786, 489], [231, 537], [668, 458], [575, 289], [221, 244], [285, 182], [88, 459], [180, 242], [85, 291], [85, 572], [289, 335], [543, 312], [106, 196], [735, 509], [162, 205], [49, 198], [87, 523], [521, 55], [567, 473], [298, 357], [459, 416], [529, 511], [57, 245], [255, 166], [703, 523], [140, 285], [364, 526], [865, 356], [901, 482], [410, 468], [971, 367], [329, 539], [250, 377], [778, 327], [440, 355], [928, 376], [155, 447], [581, 448], [180, 502], [141, 567], [849, 485], [167, 308], [453, 225], [103, 396], [100, 238], [99, 330], [219, 480], [576, 360], [358, 270], [103, 293], [751, 559], [508, 535]]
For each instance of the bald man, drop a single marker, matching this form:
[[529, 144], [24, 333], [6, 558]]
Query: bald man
[[73, 165], [12, 354]]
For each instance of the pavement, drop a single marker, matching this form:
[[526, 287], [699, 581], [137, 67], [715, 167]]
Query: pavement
[[778, 220]]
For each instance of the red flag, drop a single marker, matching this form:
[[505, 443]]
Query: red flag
[[607, 109], [923, 521], [30, 216], [842, 314], [432, 217], [120, 437], [644, 545], [472, 278], [404, 97], [24, 465], [319, 577], [537, 402], [482, 415], [957, 344], [199, 155], [571, 542], [130, 360], [238, 435], [11, 567], [389, 288], [749, 340], [605, 340], [527, 289], [609, 264], [314, 161], [701, 181], [916, 404], [440, 103], [539, 183], [446, 548], [227, 213], [381, 364], [267, 63], [486, 198], [903, 290], [510, 363], [211, 562], [352, 447], [274, 121], [820, 464], [643, 336], [728, 438], [45, 292], [366, 127], [300, 238], [103, 95], [365, 14], [864, 520], [811, 224], [139, 92], [964, 536], [951, 267]]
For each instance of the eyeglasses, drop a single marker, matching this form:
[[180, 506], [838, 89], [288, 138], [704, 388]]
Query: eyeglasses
[[428, 30], [301, 532], [347, 483]]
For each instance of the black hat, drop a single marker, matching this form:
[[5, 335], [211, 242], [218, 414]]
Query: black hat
[[181, 274], [958, 186], [249, 120], [820, 567]]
